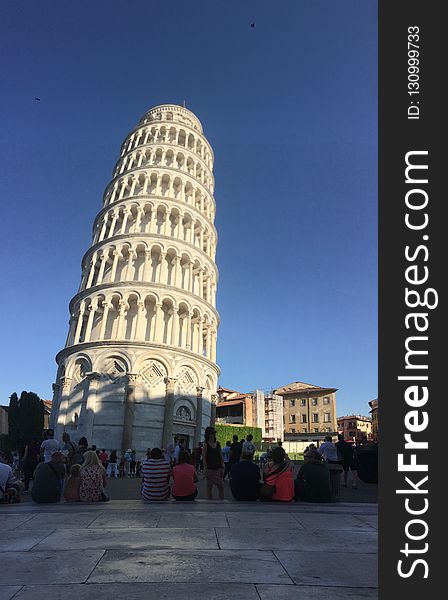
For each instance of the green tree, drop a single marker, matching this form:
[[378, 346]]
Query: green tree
[[31, 417], [13, 420]]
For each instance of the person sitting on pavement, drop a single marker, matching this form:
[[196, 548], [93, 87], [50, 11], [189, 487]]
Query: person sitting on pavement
[[184, 479], [93, 478], [49, 479], [245, 479], [329, 451], [279, 475], [156, 477], [312, 483], [71, 488]]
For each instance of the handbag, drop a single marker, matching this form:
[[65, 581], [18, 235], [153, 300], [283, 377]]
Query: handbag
[[266, 489]]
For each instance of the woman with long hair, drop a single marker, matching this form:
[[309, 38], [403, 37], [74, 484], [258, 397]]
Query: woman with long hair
[[279, 478], [93, 478], [184, 478], [213, 463]]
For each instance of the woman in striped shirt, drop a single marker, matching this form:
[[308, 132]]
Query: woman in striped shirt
[[156, 477]]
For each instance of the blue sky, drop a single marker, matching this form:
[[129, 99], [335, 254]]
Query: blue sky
[[290, 109]]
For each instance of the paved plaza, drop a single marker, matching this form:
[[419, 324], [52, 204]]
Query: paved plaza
[[221, 550]]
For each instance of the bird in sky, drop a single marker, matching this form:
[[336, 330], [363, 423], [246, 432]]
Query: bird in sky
[[36, 98], [252, 24]]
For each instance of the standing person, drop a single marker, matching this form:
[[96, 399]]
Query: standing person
[[93, 478], [156, 477], [104, 457], [345, 454], [178, 448], [184, 479], [112, 467], [235, 451], [248, 447], [69, 450], [329, 451], [213, 463], [198, 457], [50, 446], [245, 479], [132, 464], [83, 445], [169, 453], [30, 460], [127, 458], [48, 479], [226, 459], [279, 477]]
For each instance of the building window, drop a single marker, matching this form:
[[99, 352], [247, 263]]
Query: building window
[[327, 418], [316, 430], [328, 428], [293, 430], [313, 401], [292, 403], [303, 418], [305, 430], [315, 417], [303, 402], [326, 400], [292, 419]]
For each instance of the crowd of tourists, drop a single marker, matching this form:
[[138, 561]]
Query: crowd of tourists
[[76, 472]]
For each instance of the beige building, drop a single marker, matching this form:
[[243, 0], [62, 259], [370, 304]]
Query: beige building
[[3, 420], [254, 409], [308, 409], [356, 428], [374, 412]]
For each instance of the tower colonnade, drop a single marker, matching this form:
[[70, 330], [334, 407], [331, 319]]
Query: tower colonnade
[[139, 363]]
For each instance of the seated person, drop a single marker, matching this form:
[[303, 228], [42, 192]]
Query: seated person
[[155, 477], [279, 475], [313, 479], [71, 488], [10, 486], [48, 479], [245, 479], [184, 478]]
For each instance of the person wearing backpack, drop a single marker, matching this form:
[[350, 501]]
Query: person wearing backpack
[[49, 479]]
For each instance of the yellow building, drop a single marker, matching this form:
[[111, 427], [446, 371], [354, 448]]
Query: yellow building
[[374, 412], [356, 428]]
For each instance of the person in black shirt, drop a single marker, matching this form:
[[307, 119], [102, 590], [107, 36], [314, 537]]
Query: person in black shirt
[[346, 456], [235, 451], [245, 479]]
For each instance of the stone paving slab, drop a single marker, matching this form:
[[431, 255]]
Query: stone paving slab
[[330, 569], [15, 540], [262, 519], [245, 538], [332, 522], [129, 539], [51, 521], [300, 592], [197, 566], [129, 519], [26, 568], [369, 519], [193, 520], [11, 521], [8, 591], [140, 591]]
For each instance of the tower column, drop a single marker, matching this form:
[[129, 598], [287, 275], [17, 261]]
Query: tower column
[[90, 406], [198, 430], [79, 323], [169, 409], [141, 322], [106, 306], [104, 257], [129, 411], [175, 327]]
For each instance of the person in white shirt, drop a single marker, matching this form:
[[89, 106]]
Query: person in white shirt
[[49, 446], [329, 451]]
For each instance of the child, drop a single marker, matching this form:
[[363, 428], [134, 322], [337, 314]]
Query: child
[[71, 489]]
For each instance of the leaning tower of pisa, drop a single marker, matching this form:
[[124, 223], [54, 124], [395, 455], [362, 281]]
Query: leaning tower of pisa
[[139, 364]]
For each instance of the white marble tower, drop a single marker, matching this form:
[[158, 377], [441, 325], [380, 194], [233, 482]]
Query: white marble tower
[[139, 365]]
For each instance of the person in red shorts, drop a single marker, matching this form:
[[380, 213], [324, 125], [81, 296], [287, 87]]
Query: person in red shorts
[[184, 478]]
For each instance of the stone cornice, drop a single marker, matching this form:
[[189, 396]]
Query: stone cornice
[[134, 285], [150, 198], [158, 168], [155, 236], [118, 345]]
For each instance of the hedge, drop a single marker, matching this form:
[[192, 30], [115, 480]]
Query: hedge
[[225, 433]]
